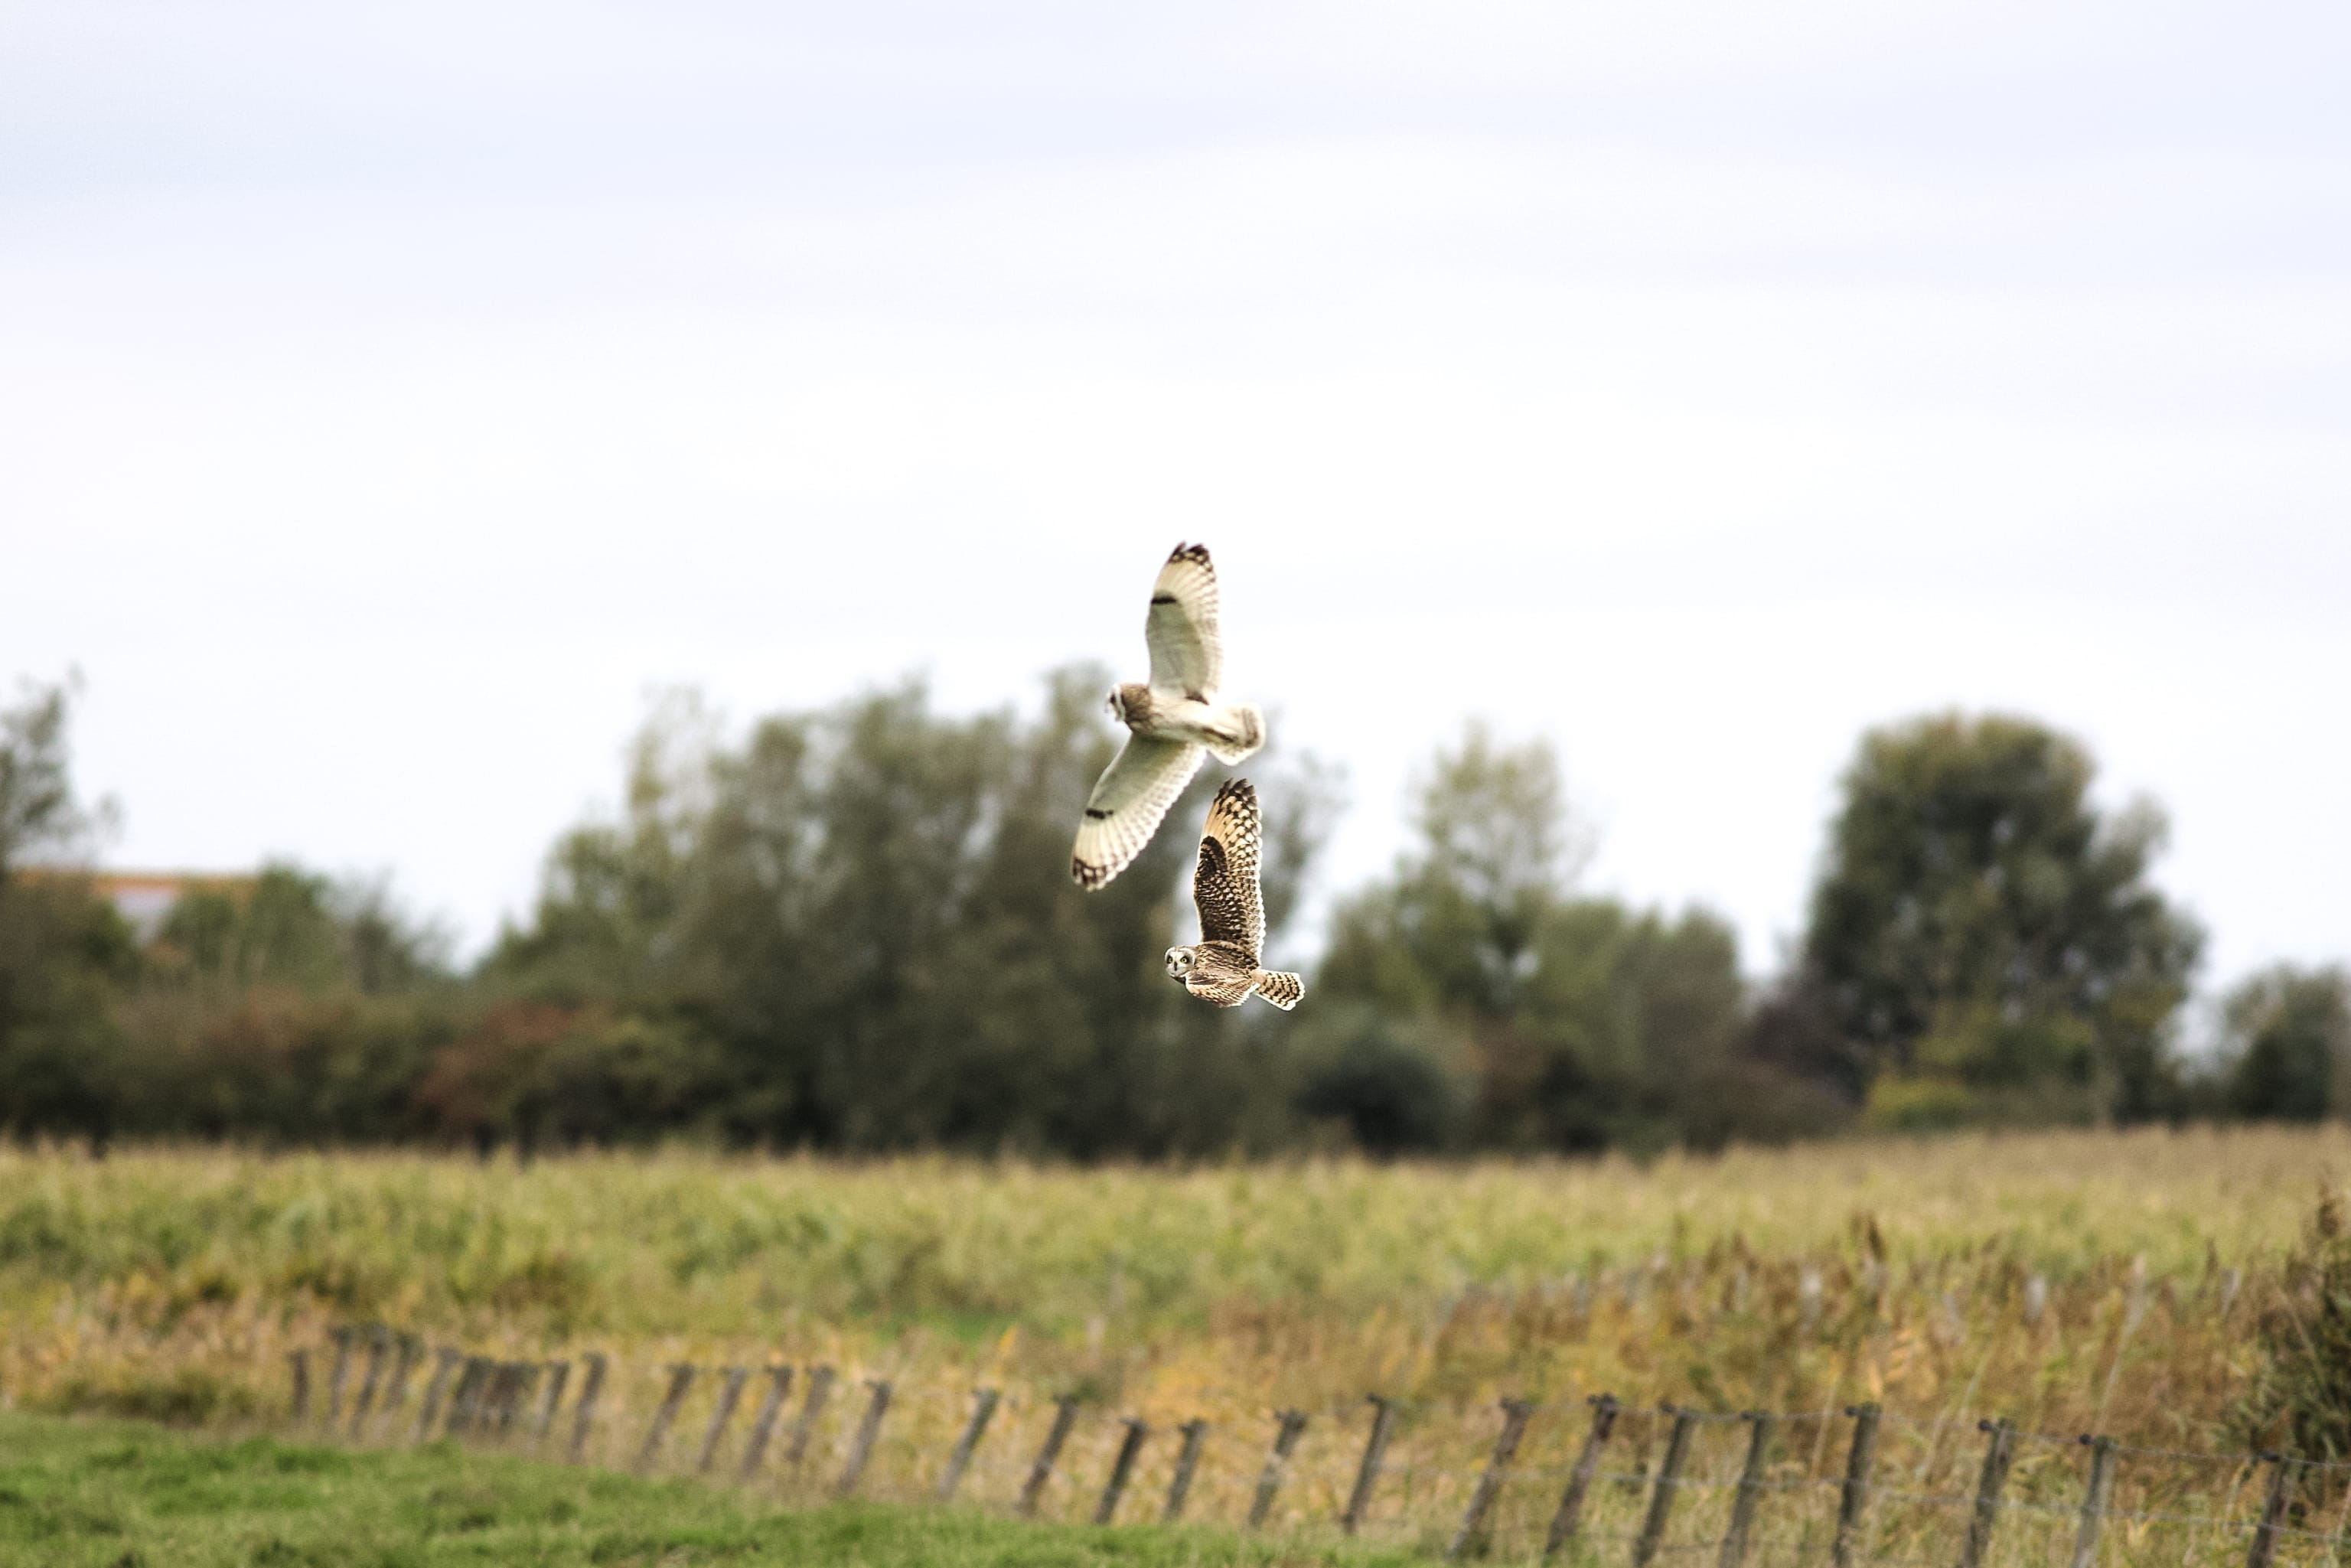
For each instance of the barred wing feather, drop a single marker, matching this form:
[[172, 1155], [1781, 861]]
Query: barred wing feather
[[1225, 878], [1128, 803], [1186, 653]]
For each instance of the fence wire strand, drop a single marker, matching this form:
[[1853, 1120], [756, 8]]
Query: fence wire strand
[[1056, 1458]]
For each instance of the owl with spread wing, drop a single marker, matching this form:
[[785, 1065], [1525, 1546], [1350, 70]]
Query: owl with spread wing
[[1172, 721], [1222, 966]]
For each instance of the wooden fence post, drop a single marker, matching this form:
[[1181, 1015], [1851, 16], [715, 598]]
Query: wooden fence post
[[1750, 1495], [1668, 1484], [1065, 1411], [526, 1379], [583, 1414], [983, 1408], [820, 1389], [1853, 1500], [680, 1379], [481, 1411], [445, 1365], [466, 1400], [730, 1394], [469, 1373], [337, 1378], [489, 1396], [1121, 1468], [1570, 1514], [410, 1351], [379, 1341], [1470, 1536], [497, 1397], [1277, 1464], [2273, 1510], [2000, 1453], [516, 1380], [1187, 1459], [763, 1425], [559, 1372], [2100, 1487], [1367, 1473], [298, 1405], [504, 1389], [867, 1431]]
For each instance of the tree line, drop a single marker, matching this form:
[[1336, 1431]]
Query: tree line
[[853, 930]]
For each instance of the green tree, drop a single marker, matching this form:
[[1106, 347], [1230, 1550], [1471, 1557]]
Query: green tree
[[1394, 1088], [1987, 936], [866, 912], [611, 892], [1499, 1007], [62, 953], [2287, 1041], [296, 927], [40, 820], [1495, 859]]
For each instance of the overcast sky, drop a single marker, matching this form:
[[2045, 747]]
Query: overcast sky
[[391, 397]]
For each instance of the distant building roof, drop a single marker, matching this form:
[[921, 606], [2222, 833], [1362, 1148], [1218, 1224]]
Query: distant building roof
[[146, 897]]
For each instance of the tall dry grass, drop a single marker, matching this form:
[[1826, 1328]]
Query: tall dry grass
[[2070, 1281]]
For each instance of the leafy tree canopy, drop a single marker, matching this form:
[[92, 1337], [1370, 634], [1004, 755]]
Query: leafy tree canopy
[[1981, 925], [62, 953], [1552, 1021], [2287, 1043], [868, 911]]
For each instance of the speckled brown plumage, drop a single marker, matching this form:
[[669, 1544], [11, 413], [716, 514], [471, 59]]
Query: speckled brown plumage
[[1224, 878], [1222, 966]]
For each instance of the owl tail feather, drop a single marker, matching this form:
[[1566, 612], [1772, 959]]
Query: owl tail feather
[[1242, 733], [1279, 987]]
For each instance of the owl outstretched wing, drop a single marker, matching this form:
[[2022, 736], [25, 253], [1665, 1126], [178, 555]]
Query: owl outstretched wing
[[1224, 879], [1186, 654], [1129, 800]]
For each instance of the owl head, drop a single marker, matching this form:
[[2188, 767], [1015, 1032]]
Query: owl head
[[1130, 704], [1179, 962]]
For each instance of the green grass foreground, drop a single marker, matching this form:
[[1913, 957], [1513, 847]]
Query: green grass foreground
[[115, 1494]]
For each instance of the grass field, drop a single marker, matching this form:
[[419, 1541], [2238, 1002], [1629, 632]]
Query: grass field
[[2071, 1282], [115, 1494]]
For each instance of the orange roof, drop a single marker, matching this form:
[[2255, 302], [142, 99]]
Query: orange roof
[[174, 882]]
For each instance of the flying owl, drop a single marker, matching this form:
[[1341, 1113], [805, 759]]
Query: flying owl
[[1172, 721], [1222, 966]]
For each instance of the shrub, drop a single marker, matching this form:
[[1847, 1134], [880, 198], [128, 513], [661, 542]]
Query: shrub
[[183, 1396], [2300, 1401]]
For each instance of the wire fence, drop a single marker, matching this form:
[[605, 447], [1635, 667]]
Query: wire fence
[[1590, 1481]]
